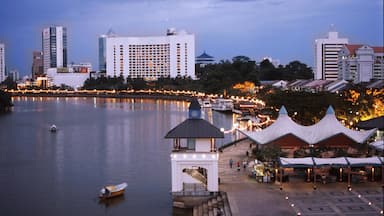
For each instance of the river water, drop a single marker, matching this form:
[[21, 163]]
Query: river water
[[99, 141]]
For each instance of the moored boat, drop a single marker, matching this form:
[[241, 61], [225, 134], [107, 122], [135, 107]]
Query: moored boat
[[223, 105], [53, 128], [111, 191]]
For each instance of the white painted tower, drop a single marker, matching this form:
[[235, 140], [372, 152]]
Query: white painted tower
[[194, 157]]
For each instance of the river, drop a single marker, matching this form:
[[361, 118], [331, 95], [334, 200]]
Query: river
[[99, 141]]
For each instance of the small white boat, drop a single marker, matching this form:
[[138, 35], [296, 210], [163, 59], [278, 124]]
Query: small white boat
[[53, 128], [112, 191], [223, 105], [206, 104]]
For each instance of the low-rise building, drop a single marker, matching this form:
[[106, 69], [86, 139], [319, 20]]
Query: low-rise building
[[73, 76], [204, 59]]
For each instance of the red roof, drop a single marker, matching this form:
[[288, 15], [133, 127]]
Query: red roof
[[378, 49], [353, 47]]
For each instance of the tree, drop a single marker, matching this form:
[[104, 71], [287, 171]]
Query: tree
[[10, 83], [5, 101], [268, 71], [297, 70]]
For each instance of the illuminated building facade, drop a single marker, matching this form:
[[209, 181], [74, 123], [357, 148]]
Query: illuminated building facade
[[326, 56], [361, 63], [151, 58], [54, 47]]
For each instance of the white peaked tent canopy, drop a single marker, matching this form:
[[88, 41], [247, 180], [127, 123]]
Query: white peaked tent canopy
[[336, 162], [326, 128], [378, 144]]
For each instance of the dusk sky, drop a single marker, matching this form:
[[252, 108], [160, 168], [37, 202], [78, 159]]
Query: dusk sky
[[281, 29]]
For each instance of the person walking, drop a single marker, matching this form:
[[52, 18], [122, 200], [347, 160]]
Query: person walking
[[244, 164], [230, 163], [238, 165]]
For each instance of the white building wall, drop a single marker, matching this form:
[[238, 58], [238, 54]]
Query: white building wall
[[203, 145], [361, 66], [47, 44], [123, 54], [180, 161], [46, 49], [75, 80], [59, 46], [326, 56], [2, 62]]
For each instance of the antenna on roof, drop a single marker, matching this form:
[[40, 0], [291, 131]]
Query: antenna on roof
[[332, 27]]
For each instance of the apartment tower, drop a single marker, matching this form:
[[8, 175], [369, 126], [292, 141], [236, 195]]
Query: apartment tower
[[54, 48], [2, 62], [326, 56]]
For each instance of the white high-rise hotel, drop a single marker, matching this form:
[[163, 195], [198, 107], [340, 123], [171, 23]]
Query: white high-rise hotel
[[54, 47], [150, 58], [2, 62], [326, 56]]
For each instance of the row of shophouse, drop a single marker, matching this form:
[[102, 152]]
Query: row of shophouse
[[314, 86]]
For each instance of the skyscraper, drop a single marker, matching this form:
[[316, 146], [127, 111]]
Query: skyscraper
[[2, 62], [103, 49], [54, 47], [326, 56], [37, 64]]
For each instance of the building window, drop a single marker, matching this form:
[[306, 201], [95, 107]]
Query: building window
[[191, 143]]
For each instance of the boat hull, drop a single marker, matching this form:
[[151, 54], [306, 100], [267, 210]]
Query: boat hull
[[112, 191], [112, 194]]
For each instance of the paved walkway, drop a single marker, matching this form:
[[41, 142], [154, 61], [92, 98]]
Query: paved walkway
[[249, 198], [246, 196]]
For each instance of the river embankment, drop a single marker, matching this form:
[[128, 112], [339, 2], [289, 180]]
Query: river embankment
[[145, 94]]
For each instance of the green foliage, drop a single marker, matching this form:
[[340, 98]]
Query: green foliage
[[268, 153], [293, 70], [5, 101], [9, 83], [219, 78], [105, 83], [213, 78], [304, 107]]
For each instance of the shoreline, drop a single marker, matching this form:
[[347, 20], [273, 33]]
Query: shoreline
[[105, 95]]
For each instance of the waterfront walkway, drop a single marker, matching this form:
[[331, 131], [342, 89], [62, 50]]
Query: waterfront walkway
[[250, 198], [246, 196]]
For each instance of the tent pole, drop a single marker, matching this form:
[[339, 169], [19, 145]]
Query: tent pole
[[382, 177], [314, 178], [340, 174], [373, 173], [281, 178], [349, 178]]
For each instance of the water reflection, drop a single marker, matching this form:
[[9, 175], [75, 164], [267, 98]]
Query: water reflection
[[100, 141], [115, 201]]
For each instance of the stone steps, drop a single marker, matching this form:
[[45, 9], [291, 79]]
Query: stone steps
[[216, 206]]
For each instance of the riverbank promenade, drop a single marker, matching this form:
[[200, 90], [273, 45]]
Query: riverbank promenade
[[247, 197]]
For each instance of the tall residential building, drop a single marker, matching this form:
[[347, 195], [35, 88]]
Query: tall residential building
[[54, 47], [37, 64], [102, 53], [14, 75], [153, 57], [103, 49], [361, 63], [326, 56], [2, 62]]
